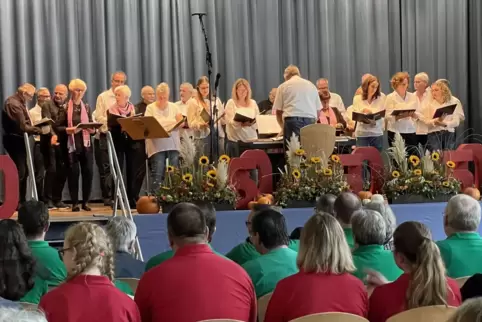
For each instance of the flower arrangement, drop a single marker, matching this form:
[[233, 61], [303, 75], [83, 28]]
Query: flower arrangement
[[427, 176], [197, 179], [306, 179]]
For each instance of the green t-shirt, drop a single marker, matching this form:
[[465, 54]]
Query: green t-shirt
[[267, 270], [349, 237], [377, 258], [124, 287], [40, 288], [48, 259], [245, 252], [462, 254]]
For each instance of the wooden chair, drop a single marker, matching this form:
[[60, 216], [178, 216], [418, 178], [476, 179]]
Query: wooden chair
[[132, 282], [330, 317], [424, 314], [263, 306], [318, 140], [28, 306], [461, 280]]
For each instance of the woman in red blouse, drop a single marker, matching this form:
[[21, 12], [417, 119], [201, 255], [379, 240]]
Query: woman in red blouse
[[89, 293], [324, 282], [424, 281]]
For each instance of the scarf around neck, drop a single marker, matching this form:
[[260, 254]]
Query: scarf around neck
[[84, 118], [323, 119]]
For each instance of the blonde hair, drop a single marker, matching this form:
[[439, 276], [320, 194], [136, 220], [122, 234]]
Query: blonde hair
[[423, 77], [124, 89], [398, 79], [323, 247], [444, 87], [241, 82], [26, 88], [428, 283], [291, 71], [162, 88], [201, 80], [93, 248], [469, 311], [77, 82]]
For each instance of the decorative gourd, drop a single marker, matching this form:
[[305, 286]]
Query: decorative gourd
[[267, 195], [147, 205], [473, 192], [265, 201], [251, 205], [365, 195]]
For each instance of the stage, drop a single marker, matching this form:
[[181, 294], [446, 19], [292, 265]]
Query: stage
[[230, 227]]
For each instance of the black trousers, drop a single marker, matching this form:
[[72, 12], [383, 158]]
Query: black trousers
[[411, 141], [39, 170], [422, 139], [138, 168], [15, 147], [80, 162], [56, 170], [102, 162]]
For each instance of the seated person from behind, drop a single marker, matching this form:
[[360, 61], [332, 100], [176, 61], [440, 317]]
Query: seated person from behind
[[386, 212], [210, 213], [369, 233], [345, 205], [89, 293], [462, 250], [123, 232], [270, 238], [326, 203], [246, 251], [195, 284], [34, 218]]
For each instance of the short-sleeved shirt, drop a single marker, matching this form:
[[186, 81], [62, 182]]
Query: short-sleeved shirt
[[48, 258], [297, 97], [349, 237], [462, 254], [377, 258], [40, 288], [246, 251], [267, 270]]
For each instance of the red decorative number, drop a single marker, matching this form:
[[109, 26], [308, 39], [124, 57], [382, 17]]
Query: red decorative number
[[10, 178]]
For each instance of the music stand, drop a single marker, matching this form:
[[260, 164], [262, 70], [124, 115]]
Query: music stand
[[143, 127]]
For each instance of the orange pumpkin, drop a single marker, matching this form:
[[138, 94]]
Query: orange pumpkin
[[267, 195], [147, 205], [251, 204], [365, 195], [265, 201], [473, 192]]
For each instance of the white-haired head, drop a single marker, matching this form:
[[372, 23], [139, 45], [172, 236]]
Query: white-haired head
[[291, 71], [8, 314], [122, 232], [462, 214], [124, 89]]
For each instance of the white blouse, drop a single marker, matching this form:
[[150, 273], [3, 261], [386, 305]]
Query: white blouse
[[452, 121], [367, 130], [395, 102], [421, 127], [234, 130], [167, 118], [194, 118]]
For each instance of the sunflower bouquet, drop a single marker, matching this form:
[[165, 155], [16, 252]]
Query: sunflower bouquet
[[305, 179], [428, 176], [197, 179]]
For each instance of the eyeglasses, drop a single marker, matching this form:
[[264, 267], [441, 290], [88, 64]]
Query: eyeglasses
[[62, 252]]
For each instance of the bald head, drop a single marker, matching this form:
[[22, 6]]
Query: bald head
[[326, 203], [186, 224], [60, 94], [345, 205], [148, 95]]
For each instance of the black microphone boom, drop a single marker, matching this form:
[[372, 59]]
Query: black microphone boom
[[199, 14], [216, 83]]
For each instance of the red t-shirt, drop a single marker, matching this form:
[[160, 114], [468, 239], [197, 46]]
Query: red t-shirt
[[309, 293], [389, 299], [194, 285], [89, 298]]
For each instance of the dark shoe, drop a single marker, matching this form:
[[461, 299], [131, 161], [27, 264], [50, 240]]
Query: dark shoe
[[51, 205], [108, 202], [75, 208], [61, 205], [86, 208]]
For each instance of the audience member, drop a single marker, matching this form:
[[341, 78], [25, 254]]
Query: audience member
[[195, 284], [462, 250], [123, 232], [19, 280], [270, 238], [296, 233], [386, 211], [345, 205], [34, 218], [326, 203], [470, 311], [424, 281], [89, 293], [369, 233], [324, 282], [20, 315], [210, 213]]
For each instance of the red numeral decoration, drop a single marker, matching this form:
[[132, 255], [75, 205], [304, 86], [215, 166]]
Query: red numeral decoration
[[375, 164], [353, 172], [265, 170], [10, 178], [239, 176], [476, 150], [461, 172]]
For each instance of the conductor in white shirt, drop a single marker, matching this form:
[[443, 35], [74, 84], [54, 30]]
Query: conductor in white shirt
[[161, 150], [297, 103]]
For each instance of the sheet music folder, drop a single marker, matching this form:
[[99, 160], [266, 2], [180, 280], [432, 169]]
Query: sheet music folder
[[144, 127], [90, 125], [360, 117], [448, 110], [398, 112]]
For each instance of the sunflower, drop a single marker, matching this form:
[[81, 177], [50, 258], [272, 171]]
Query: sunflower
[[296, 174], [451, 164], [395, 174], [165, 188], [417, 172], [170, 169], [327, 172], [414, 160], [224, 158], [335, 158], [211, 174], [211, 185], [300, 152], [446, 184], [435, 156], [204, 160], [315, 160], [187, 178]]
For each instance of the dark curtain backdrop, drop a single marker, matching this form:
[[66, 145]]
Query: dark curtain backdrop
[[52, 41]]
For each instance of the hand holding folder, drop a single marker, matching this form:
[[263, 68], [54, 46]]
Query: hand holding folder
[[83, 126], [368, 118], [444, 111]]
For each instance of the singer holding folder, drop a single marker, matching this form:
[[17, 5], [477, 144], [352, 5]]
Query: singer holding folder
[[241, 112]]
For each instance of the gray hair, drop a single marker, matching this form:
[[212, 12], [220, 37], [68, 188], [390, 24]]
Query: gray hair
[[119, 72], [368, 227], [123, 232], [423, 77], [21, 315], [291, 71], [188, 85], [470, 310], [387, 213], [462, 213]]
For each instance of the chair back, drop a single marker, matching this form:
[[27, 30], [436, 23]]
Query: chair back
[[263, 306], [132, 282], [28, 306], [423, 314], [318, 140], [220, 320], [461, 280], [330, 317]]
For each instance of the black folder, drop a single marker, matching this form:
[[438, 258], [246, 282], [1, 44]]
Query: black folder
[[449, 110], [401, 111], [242, 118], [360, 117]]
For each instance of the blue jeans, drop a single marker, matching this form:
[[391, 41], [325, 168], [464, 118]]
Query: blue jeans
[[157, 166], [374, 141], [294, 125], [441, 140]]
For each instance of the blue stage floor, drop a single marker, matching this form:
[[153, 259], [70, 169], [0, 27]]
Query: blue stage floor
[[231, 229]]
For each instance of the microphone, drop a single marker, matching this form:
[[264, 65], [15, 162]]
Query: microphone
[[216, 83], [199, 14]]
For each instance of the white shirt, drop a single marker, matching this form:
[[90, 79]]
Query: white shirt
[[297, 97], [182, 108], [194, 118], [367, 130], [167, 118], [395, 102], [234, 130], [104, 101], [35, 113], [337, 101], [452, 121], [421, 127]]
